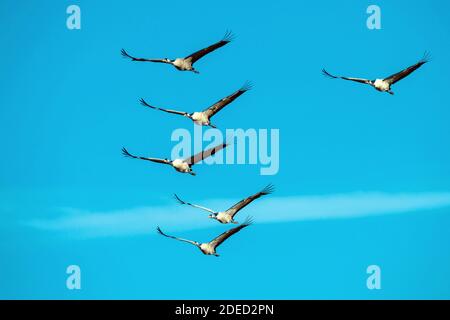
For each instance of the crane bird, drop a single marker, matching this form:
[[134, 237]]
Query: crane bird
[[209, 248], [186, 64], [384, 85], [203, 118], [227, 216], [181, 165]]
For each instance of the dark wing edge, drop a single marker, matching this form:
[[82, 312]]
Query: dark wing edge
[[243, 203], [329, 75], [145, 104], [270, 188], [224, 236], [228, 37], [127, 154], [128, 56], [191, 204], [206, 153], [360, 80], [248, 85], [158, 229], [406, 72], [178, 199], [219, 105]]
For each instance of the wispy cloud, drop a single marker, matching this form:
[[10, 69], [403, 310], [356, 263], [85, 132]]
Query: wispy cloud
[[270, 209]]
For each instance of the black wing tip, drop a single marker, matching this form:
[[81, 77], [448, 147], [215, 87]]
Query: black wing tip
[[270, 188], [426, 57], [144, 103], [327, 74], [125, 54], [126, 153], [178, 199], [248, 85], [248, 221], [229, 36]]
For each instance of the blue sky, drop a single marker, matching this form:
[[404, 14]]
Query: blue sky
[[364, 177]]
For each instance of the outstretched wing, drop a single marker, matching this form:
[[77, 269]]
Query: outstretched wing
[[216, 107], [205, 154], [406, 72], [241, 204], [199, 54], [176, 238], [224, 236], [126, 55], [192, 205], [144, 103], [129, 155], [360, 80]]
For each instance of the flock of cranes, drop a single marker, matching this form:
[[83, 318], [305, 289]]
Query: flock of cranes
[[203, 118]]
